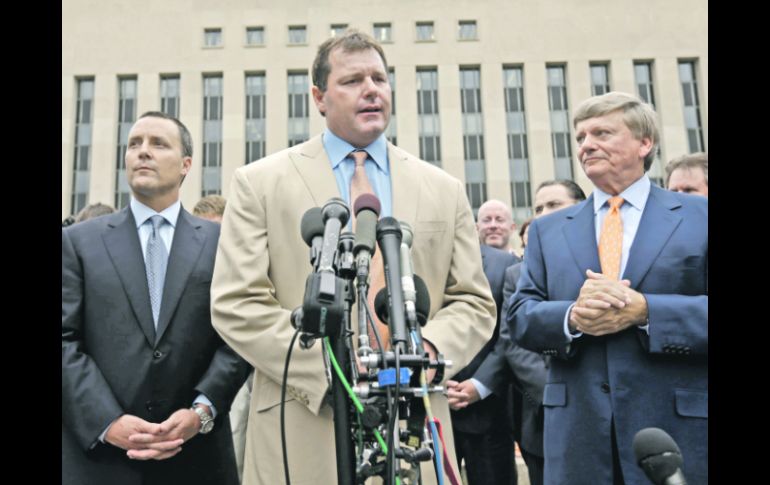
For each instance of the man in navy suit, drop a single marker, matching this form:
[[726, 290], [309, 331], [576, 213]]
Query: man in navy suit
[[143, 371], [630, 353], [482, 432]]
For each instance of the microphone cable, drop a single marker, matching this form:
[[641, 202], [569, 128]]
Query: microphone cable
[[283, 404]]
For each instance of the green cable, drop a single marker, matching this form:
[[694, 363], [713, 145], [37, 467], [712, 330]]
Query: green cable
[[353, 397]]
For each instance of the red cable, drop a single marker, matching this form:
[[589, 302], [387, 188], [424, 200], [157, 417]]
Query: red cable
[[447, 464]]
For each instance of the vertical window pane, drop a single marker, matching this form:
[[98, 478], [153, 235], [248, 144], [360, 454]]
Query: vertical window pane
[[212, 134], [429, 126], [691, 106], [255, 116], [473, 135], [126, 117], [600, 79], [559, 113], [299, 120], [82, 152]]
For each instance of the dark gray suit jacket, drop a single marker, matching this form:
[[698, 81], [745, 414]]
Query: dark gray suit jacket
[[479, 417], [510, 362], [114, 362]]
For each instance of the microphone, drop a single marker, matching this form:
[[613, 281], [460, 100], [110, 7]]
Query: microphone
[[659, 456], [367, 210], [323, 306], [389, 239], [312, 230], [335, 215], [407, 280]]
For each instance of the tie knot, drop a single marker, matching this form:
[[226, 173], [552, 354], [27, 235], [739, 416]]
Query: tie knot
[[157, 221], [359, 156], [616, 202]]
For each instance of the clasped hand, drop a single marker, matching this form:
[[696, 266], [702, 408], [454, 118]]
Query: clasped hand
[[607, 306], [153, 441]]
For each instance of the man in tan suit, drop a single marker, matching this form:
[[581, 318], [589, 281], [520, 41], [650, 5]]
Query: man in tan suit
[[262, 262]]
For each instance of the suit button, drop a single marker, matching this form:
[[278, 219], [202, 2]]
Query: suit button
[[605, 387], [157, 354]]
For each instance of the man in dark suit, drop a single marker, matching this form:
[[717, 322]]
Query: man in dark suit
[[629, 353], [482, 432], [143, 371], [508, 362]]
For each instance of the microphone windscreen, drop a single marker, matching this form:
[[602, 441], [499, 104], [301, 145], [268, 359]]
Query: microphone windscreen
[[422, 303], [388, 225], [312, 225], [367, 202], [381, 305], [366, 230], [337, 209], [653, 441]]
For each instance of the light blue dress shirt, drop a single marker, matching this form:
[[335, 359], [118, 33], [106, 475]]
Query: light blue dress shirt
[[377, 169], [634, 201]]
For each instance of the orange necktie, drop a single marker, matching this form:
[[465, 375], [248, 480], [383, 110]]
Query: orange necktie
[[611, 240], [359, 185]]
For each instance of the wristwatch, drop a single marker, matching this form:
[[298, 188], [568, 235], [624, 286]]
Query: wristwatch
[[207, 421]]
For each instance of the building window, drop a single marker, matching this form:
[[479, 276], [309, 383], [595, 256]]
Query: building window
[[600, 79], [212, 37], [82, 155], [169, 95], [466, 30], [518, 152], [429, 126], [126, 117], [212, 135], [337, 29], [646, 91], [297, 35], [691, 105], [390, 133], [473, 137], [255, 36], [425, 31], [255, 117], [561, 141], [382, 32], [299, 120], [644, 86]]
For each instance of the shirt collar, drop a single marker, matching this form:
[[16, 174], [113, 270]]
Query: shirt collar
[[338, 149], [635, 194], [142, 212]]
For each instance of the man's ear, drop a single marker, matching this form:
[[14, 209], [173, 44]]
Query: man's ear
[[318, 98]]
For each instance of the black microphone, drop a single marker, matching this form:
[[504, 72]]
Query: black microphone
[[659, 456], [312, 230], [389, 239]]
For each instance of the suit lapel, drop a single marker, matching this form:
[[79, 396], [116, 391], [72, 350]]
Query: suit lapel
[[405, 185], [655, 228], [312, 164], [122, 242], [185, 251], [581, 235]]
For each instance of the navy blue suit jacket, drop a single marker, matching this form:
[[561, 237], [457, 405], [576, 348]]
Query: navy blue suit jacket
[[114, 361], [632, 378], [492, 411]]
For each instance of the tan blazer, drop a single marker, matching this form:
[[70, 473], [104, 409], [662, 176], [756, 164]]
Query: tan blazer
[[259, 278]]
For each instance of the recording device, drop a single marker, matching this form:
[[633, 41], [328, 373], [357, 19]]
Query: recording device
[[659, 456], [367, 210]]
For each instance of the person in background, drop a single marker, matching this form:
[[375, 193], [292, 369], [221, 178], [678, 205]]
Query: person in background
[[689, 174], [211, 207], [495, 224], [93, 210]]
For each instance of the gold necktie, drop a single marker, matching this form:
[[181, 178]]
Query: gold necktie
[[359, 185], [611, 240]]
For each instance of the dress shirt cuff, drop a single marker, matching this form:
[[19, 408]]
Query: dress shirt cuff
[[204, 400], [645, 327], [101, 436], [570, 336], [481, 388]]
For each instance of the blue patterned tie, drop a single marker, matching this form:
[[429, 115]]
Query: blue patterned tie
[[156, 258]]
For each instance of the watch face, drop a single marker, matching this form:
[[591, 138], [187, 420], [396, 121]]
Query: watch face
[[207, 426]]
